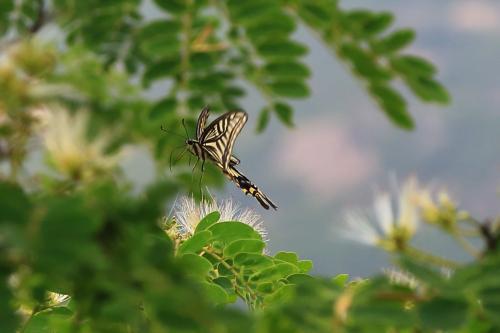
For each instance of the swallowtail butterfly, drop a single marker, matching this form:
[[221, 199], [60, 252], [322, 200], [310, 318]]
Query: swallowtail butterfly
[[215, 142]]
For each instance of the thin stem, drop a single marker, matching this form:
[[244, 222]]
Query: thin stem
[[256, 78], [333, 43], [468, 232], [187, 21], [472, 221], [250, 296], [431, 258], [40, 19], [465, 244]]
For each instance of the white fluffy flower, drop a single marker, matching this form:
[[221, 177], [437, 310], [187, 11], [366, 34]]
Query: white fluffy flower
[[70, 150], [188, 213], [391, 223], [401, 278]]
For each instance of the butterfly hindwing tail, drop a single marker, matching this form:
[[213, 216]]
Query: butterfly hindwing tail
[[248, 187]]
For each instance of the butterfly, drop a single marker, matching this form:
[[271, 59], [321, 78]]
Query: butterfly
[[215, 143]]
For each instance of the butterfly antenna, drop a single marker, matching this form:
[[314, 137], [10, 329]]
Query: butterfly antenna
[[194, 167], [185, 129], [180, 156], [171, 154], [170, 132], [201, 177]]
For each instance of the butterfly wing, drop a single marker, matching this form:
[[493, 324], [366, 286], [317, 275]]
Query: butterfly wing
[[219, 137], [202, 122], [234, 160]]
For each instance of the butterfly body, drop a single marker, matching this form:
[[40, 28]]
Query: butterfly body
[[215, 143]]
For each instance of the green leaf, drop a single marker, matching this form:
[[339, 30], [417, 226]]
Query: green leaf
[[284, 48], [227, 285], [195, 243], [395, 41], [45, 321], [274, 273], [290, 257], [196, 101], [252, 261], [490, 300], [341, 279], [247, 12], [305, 265], [215, 293], [283, 293], [263, 120], [244, 245], [265, 287], [158, 28], [413, 66], [227, 232], [378, 316], [316, 15], [363, 63], [285, 113], [429, 90], [288, 88], [300, 278], [160, 46], [172, 6], [5, 8], [287, 69], [277, 26], [14, 204], [359, 16], [207, 221], [477, 275], [423, 273], [234, 92], [207, 84], [196, 266], [443, 313], [160, 70], [393, 104], [377, 23], [202, 61], [364, 22], [162, 108], [74, 226]]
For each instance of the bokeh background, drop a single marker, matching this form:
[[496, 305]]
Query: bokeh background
[[343, 149]]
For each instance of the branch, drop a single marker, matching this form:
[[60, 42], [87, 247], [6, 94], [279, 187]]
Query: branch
[[40, 19], [244, 285], [490, 237]]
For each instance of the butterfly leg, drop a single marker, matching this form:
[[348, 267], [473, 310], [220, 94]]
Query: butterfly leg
[[170, 160], [178, 156], [201, 176], [195, 165], [194, 168]]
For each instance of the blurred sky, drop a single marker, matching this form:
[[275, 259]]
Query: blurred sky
[[343, 148]]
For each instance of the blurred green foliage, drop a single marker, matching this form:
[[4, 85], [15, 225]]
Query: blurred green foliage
[[79, 252], [105, 249]]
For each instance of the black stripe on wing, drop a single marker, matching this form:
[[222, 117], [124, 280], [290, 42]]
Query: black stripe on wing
[[202, 122], [219, 137]]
